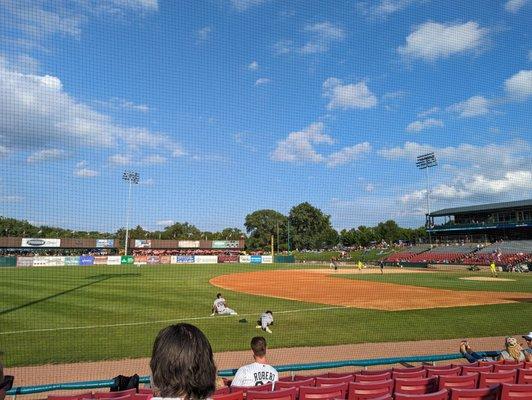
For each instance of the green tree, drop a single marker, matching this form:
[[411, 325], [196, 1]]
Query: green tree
[[261, 225], [310, 228], [179, 231]]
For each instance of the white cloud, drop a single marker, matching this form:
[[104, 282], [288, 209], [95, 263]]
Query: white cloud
[[11, 199], [299, 146], [117, 104], [519, 86], [4, 152], [472, 107], [204, 33], [384, 8], [254, 66], [348, 154], [150, 5], [321, 36], [283, 46], [433, 40], [46, 155], [370, 187], [262, 81], [394, 95], [348, 96], [165, 222], [418, 126], [514, 6], [120, 159], [430, 111], [37, 112], [82, 170], [242, 5], [153, 159]]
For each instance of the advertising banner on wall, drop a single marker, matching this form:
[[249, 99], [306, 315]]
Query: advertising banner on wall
[[127, 260], [48, 261], [225, 244], [24, 261], [267, 259], [165, 260], [141, 260], [35, 242], [105, 243], [71, 261], [189, 244], [142, 244], [100, 260], [86, 260], [205, 259], [113, 260], [182, 259], [255, 259], [245, 259], [228, 258], [153, 260]]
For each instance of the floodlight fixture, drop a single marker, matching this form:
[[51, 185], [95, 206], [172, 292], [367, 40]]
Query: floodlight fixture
[[133, 178], [424, 162]]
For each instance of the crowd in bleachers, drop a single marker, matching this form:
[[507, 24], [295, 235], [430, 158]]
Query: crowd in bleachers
[[186, 252], [56, 252]]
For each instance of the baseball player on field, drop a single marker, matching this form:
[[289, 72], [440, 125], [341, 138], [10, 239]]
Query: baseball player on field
[[220, 307], [264, 321]]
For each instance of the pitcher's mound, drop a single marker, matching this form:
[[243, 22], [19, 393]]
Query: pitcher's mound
[[487, 279]]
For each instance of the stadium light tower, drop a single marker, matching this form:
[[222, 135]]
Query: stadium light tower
[[132, 178], [426, 161]]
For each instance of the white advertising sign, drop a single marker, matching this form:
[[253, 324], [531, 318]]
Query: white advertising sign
[[267, 259], [113, 260], [189, 244], [205, 259], [245, 259], [142, 244], [48, 261], [35, 242]]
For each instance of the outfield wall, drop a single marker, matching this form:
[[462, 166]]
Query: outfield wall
[[59, 261]]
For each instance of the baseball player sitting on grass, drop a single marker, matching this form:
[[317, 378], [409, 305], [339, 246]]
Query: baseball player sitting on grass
[[220, 307], [264, 321]]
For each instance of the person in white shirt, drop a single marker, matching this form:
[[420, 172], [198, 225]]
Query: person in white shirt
[[259, 372], [220, 307], [264, 321]]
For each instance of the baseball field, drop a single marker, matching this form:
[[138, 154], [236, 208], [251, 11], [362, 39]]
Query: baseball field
[[65, 314]]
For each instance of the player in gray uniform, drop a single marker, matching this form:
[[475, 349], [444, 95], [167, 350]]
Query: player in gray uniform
[[264, 321], [220, 307]]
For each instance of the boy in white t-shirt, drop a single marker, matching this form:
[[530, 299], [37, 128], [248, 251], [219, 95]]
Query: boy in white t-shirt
[[259, 372], [220, 307]]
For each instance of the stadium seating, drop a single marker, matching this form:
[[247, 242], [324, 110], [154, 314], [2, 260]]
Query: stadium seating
[[284, 394], [468, 381], [524, 376], [507, 367], [409, 369], [230, 396], [487, 379], [415, 374], [363, 391], [473, 368], [325, 392], [516, 392], [441, 372], [223, 390], [373, 377], [440, 395], [79, 396], [262, 388], [113, 395], [374, 371], [320, 381], [296, 384], [489, 393], [416, 386]]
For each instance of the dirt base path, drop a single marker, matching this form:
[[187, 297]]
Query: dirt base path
[[56, 373], [322, 288]]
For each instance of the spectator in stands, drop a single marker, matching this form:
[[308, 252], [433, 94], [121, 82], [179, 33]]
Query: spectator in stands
[[258, 372], [528, 338], [182, 364], [512, 352], [6, 382]]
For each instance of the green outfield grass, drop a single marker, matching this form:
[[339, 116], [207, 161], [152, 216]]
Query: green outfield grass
[[94, 313]]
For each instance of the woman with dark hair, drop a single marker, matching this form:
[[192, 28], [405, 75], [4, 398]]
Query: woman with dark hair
[[182, 364]]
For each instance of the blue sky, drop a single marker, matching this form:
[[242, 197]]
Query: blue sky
[[228, 106]]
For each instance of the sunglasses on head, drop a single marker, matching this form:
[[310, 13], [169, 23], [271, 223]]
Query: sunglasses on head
[[7, 383]]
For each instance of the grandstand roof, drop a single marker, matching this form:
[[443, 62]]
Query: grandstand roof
[[482, 207]]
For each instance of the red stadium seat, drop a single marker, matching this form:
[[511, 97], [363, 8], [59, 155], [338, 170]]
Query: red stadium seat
[[126, 397], [484, 363], [528, 365], [285, 394], [516, 392], [507, 367], [416, 374], [222, 390], [340, 375], [470, 368], [440, 395], [487, 379], [230, 396], [490, 393], [86, 395], [387, 397], [333, 381], [438, 367], [468, 381], [286, 379], [447, 372], [294, 384], [416, 386], [304, 377], [524, 376], [324, 392], [409, 369], [373, 377], [363, 391], [145, 390], [111, 395], [261, 388], [374, 371], [141, 396]]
